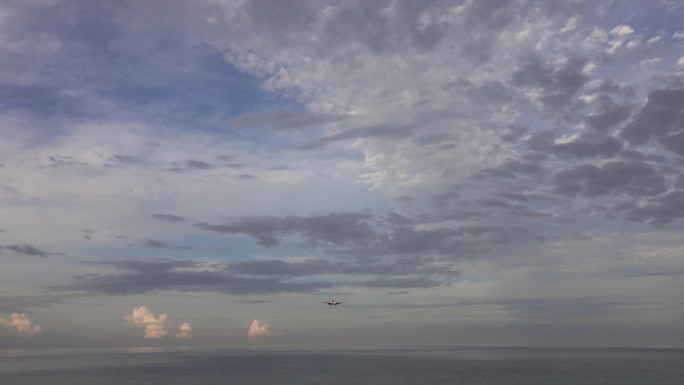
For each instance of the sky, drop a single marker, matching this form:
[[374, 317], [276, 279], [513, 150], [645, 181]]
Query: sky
[[208, 172]]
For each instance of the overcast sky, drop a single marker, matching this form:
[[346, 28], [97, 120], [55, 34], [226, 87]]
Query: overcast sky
[[207, 172]]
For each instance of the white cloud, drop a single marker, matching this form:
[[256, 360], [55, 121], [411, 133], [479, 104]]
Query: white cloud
[[651, 62], [259, 329], [654, 40], [20, 323], [185, 331], [622, 30], [680, 62], [567, 138], [154, 325]]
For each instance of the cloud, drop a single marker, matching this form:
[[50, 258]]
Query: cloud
[[258, 330], [139, 277], [311, 145], [155, 244], [198, 164], [334, 228], [579, 145], [21, 324], [286, 119], [557, 85], [184, 331], [154, 325], [415, 258], [633, 178], [658, 211], [661, 119], [25, 250], [169, 218]]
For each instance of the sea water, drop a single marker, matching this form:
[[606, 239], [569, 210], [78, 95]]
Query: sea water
[[430, 366]]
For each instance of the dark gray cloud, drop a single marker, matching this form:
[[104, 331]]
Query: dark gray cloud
[[389, 250], [287, 119], [368, 24], [663, 274], [608, 116], [443, 199], [280, 268], [512, 168], [64, 161], [401, 283], [122, 160], [586, 144], [281, 21], [388, 269], [230, 161], [382, 131], [169, 218], [25, 250], [513, 132], [154, 244], [198, 165], [255, 277], [632, 178], [371, 242], [553, 310], [538, 309], [557, 85], [660, 119], [127, 159], [658, 211], [631, 154], [455, 243], [524, 196], [334, 228], [149, 276], [21, 302], [163, 244]]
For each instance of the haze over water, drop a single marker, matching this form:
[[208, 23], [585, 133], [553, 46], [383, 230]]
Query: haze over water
[[395, 366]]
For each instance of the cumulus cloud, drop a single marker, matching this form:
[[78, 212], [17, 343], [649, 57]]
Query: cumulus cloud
[[259, 329], [184, 331], [21, 324], [154, 325]]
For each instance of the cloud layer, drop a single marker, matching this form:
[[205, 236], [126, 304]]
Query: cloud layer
[[259, 149]]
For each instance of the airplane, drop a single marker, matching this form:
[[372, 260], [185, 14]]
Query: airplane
[[333, 303]]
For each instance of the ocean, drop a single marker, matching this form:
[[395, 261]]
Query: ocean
[[424, 365]]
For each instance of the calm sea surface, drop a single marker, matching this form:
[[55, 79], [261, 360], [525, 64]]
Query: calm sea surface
[[429, 366]]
